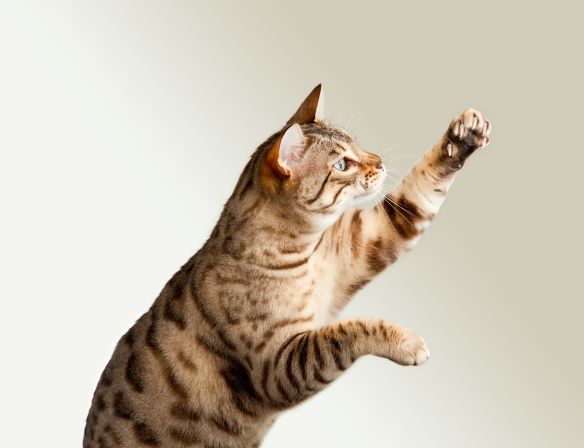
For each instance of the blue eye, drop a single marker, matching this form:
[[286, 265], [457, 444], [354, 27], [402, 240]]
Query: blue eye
[[341, 165]]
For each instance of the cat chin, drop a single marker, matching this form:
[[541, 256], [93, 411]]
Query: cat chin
[[365, 200]]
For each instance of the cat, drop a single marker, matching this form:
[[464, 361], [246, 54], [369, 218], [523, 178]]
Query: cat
[[244, 330]]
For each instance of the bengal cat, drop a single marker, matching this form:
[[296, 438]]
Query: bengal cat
[[244, 330]]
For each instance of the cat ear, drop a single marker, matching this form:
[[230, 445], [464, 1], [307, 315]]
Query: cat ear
[[311, 109], [285, 154]]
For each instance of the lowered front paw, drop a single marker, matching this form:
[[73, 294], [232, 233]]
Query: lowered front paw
[[466, 133], [409, 349]]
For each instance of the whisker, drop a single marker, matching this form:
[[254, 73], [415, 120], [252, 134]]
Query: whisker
[[381, 209], [352, 121], [392, 170], [389, 151], [388, 198]]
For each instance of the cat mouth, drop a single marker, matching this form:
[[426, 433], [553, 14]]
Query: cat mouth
[[374, 189]]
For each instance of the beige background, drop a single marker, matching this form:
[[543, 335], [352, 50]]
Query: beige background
[[123, 128]]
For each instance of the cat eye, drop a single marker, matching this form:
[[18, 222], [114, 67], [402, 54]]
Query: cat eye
[[341, 165]]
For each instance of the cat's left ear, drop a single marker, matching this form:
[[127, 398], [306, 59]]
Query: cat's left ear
[[284, 156], [312, 108]]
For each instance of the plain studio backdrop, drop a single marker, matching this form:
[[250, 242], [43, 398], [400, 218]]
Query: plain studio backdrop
[[125, 124]]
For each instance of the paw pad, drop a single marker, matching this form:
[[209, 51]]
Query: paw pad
[[467, 133]]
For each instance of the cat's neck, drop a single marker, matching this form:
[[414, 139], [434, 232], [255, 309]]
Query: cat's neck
[[255, 228]]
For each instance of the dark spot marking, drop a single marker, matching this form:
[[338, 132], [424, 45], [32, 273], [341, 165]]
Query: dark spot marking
[[403, 215], [113, 434], [378, 257], [183, 411], [100, 403], [145, 434], [101, 443], [411, 208], [151, 333], [135, 373], [122, 408], [356, 224], [174, 312], [230, 427], [186, 362], [129, 337], [237, 377]]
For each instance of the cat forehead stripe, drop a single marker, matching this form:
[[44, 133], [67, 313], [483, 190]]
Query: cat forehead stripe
[[322, 130]]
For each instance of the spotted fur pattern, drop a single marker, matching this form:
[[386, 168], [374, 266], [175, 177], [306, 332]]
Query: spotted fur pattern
[[244, 330]]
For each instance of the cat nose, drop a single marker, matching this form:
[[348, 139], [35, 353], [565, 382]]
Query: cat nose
[[379, 164]]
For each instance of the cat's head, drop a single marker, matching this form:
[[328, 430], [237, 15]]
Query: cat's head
[[317, 169]]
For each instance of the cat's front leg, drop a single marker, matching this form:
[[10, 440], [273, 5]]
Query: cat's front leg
[[381, 235], [419, 196], [308, 361]]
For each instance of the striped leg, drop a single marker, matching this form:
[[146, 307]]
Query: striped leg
[[310, 360]]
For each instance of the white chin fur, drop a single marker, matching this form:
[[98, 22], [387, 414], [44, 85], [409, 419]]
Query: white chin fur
[[361, 201], [366, 198]]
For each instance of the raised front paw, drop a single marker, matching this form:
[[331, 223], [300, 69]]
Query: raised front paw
[[466, 133], [409, 349]]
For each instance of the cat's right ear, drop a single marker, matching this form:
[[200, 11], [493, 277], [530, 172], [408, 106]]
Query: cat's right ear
[[282, 160], [284, 156], [312, 108]]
